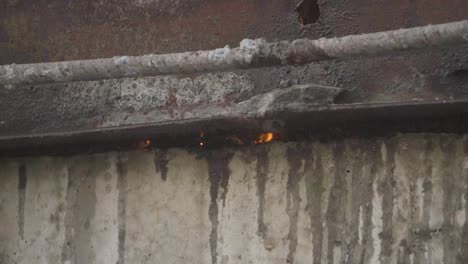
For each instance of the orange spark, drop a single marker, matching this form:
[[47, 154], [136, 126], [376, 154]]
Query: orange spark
[[264, 138], [145, 144]]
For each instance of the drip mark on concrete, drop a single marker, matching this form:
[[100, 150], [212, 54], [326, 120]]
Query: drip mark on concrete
[[85, 208], [427, 190], [22, 179], [464, 242], [369, 212], [449, 187], [219, 177], [262, 167], [388, 191], [68, 248], [314, 186], [377, 223], [293, 199], [160, 163], [336, 202], [121, 208]]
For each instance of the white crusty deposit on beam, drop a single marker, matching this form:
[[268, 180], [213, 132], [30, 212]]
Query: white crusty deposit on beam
[[250, 54]]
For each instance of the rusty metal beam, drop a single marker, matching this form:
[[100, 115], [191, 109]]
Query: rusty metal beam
[[319, 121], [250, 54]]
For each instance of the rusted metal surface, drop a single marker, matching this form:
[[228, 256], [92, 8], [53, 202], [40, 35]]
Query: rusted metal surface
[[55, 30], [41, 31], [83, 29], [250, 54]]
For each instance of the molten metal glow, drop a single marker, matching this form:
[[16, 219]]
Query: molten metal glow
[[264, 138], [145, 144]]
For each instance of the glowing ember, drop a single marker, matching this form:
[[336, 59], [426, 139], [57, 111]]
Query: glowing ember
[[201, 144], [145, 144], [264, 138]]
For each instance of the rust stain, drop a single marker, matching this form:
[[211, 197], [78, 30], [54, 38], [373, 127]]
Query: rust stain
[[92, 31]]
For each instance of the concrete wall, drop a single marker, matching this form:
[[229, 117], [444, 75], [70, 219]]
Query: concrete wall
[[385, 200]]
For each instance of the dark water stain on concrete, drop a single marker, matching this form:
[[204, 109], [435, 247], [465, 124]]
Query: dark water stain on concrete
[[464, 242], [262, 174], [413, 214], [22, 180], [308, 174], [376, 163], [387, 189], [448, 148], [335, 210], [68, 248], [54, 219], [160, 163], [413, 163], [314, 186], [401, 257], [121, 207], [427, 196], [295, 157], [360, 161], [84, 170], [219, 173]]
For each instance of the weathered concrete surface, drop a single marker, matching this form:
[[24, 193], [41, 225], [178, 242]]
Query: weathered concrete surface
[[113, 102], [379, 200]]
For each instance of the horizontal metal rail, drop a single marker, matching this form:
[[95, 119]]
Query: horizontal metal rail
[[250, 54], [322, 120]]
